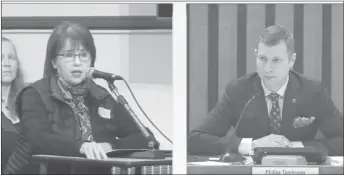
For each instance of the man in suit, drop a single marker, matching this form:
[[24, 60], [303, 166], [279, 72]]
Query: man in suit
[[278, 107]]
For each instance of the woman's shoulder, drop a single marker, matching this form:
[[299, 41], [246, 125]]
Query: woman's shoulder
[[102, 95], [41, 84], [98, 91], [34, 90], [33, 96]]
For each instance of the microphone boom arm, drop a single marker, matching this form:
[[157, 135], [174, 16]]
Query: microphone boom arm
[[239, 119], [152, 142]]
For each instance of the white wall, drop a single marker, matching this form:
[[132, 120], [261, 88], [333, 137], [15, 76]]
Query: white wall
[[74, 9], [146, 66]]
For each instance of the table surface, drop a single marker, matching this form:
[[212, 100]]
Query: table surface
[[247, 169], [202, 165], [123, 162]]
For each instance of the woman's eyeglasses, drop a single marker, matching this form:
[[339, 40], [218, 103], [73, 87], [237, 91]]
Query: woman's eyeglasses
[[69, 57]]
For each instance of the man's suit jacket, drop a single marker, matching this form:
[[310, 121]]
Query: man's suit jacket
[[303, 98]]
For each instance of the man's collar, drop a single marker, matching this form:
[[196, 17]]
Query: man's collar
[[280, 92]]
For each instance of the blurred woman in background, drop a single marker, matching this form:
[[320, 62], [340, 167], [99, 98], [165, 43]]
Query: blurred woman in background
[[68, 114], [11, 83]]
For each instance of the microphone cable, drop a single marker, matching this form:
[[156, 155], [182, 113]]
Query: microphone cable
[[132, 94]]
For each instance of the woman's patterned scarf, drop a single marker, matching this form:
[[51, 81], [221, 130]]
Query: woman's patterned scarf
[[74, 97]]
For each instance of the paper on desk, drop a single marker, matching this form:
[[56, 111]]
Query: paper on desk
[[211, 163], [336, 160], [249, 161]]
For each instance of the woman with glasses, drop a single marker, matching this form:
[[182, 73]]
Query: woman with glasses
[[11, 83], [68, 114]]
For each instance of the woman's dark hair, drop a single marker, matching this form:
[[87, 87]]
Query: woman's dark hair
[[65, 32], [18, 83]]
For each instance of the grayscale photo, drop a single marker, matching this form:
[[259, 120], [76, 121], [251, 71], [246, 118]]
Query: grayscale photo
[[265, 88], [86, 88]]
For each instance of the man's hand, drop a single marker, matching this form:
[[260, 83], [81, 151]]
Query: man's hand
[[93, 150], [272, 140]]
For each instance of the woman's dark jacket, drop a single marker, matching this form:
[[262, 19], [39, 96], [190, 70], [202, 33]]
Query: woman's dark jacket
[[51, 128]]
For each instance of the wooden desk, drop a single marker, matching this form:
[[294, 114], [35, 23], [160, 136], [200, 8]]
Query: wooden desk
[[247, 169], [123, 163]]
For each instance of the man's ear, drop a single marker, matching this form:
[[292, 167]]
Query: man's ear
[[292, 60]]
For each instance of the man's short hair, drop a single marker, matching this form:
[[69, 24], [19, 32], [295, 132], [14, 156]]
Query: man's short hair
[[272, 35]]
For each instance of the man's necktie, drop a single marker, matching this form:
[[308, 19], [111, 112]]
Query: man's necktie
[[275, 114]]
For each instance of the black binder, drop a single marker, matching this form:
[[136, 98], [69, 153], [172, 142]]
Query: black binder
[[140, 153]]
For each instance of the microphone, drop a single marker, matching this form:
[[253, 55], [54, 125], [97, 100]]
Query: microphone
[[243, 111], [92, 73], [153, 144], [230, 157]]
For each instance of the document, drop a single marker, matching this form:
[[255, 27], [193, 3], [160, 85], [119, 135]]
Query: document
[[336, 160], [217, 162], [210, 163]]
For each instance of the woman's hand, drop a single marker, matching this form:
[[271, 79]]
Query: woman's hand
[[106, 146], [93, 150]]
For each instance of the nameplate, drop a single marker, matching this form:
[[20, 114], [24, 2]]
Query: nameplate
[[285, 170]]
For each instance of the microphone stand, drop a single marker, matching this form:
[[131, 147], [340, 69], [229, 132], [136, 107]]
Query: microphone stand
[[153, 144]]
